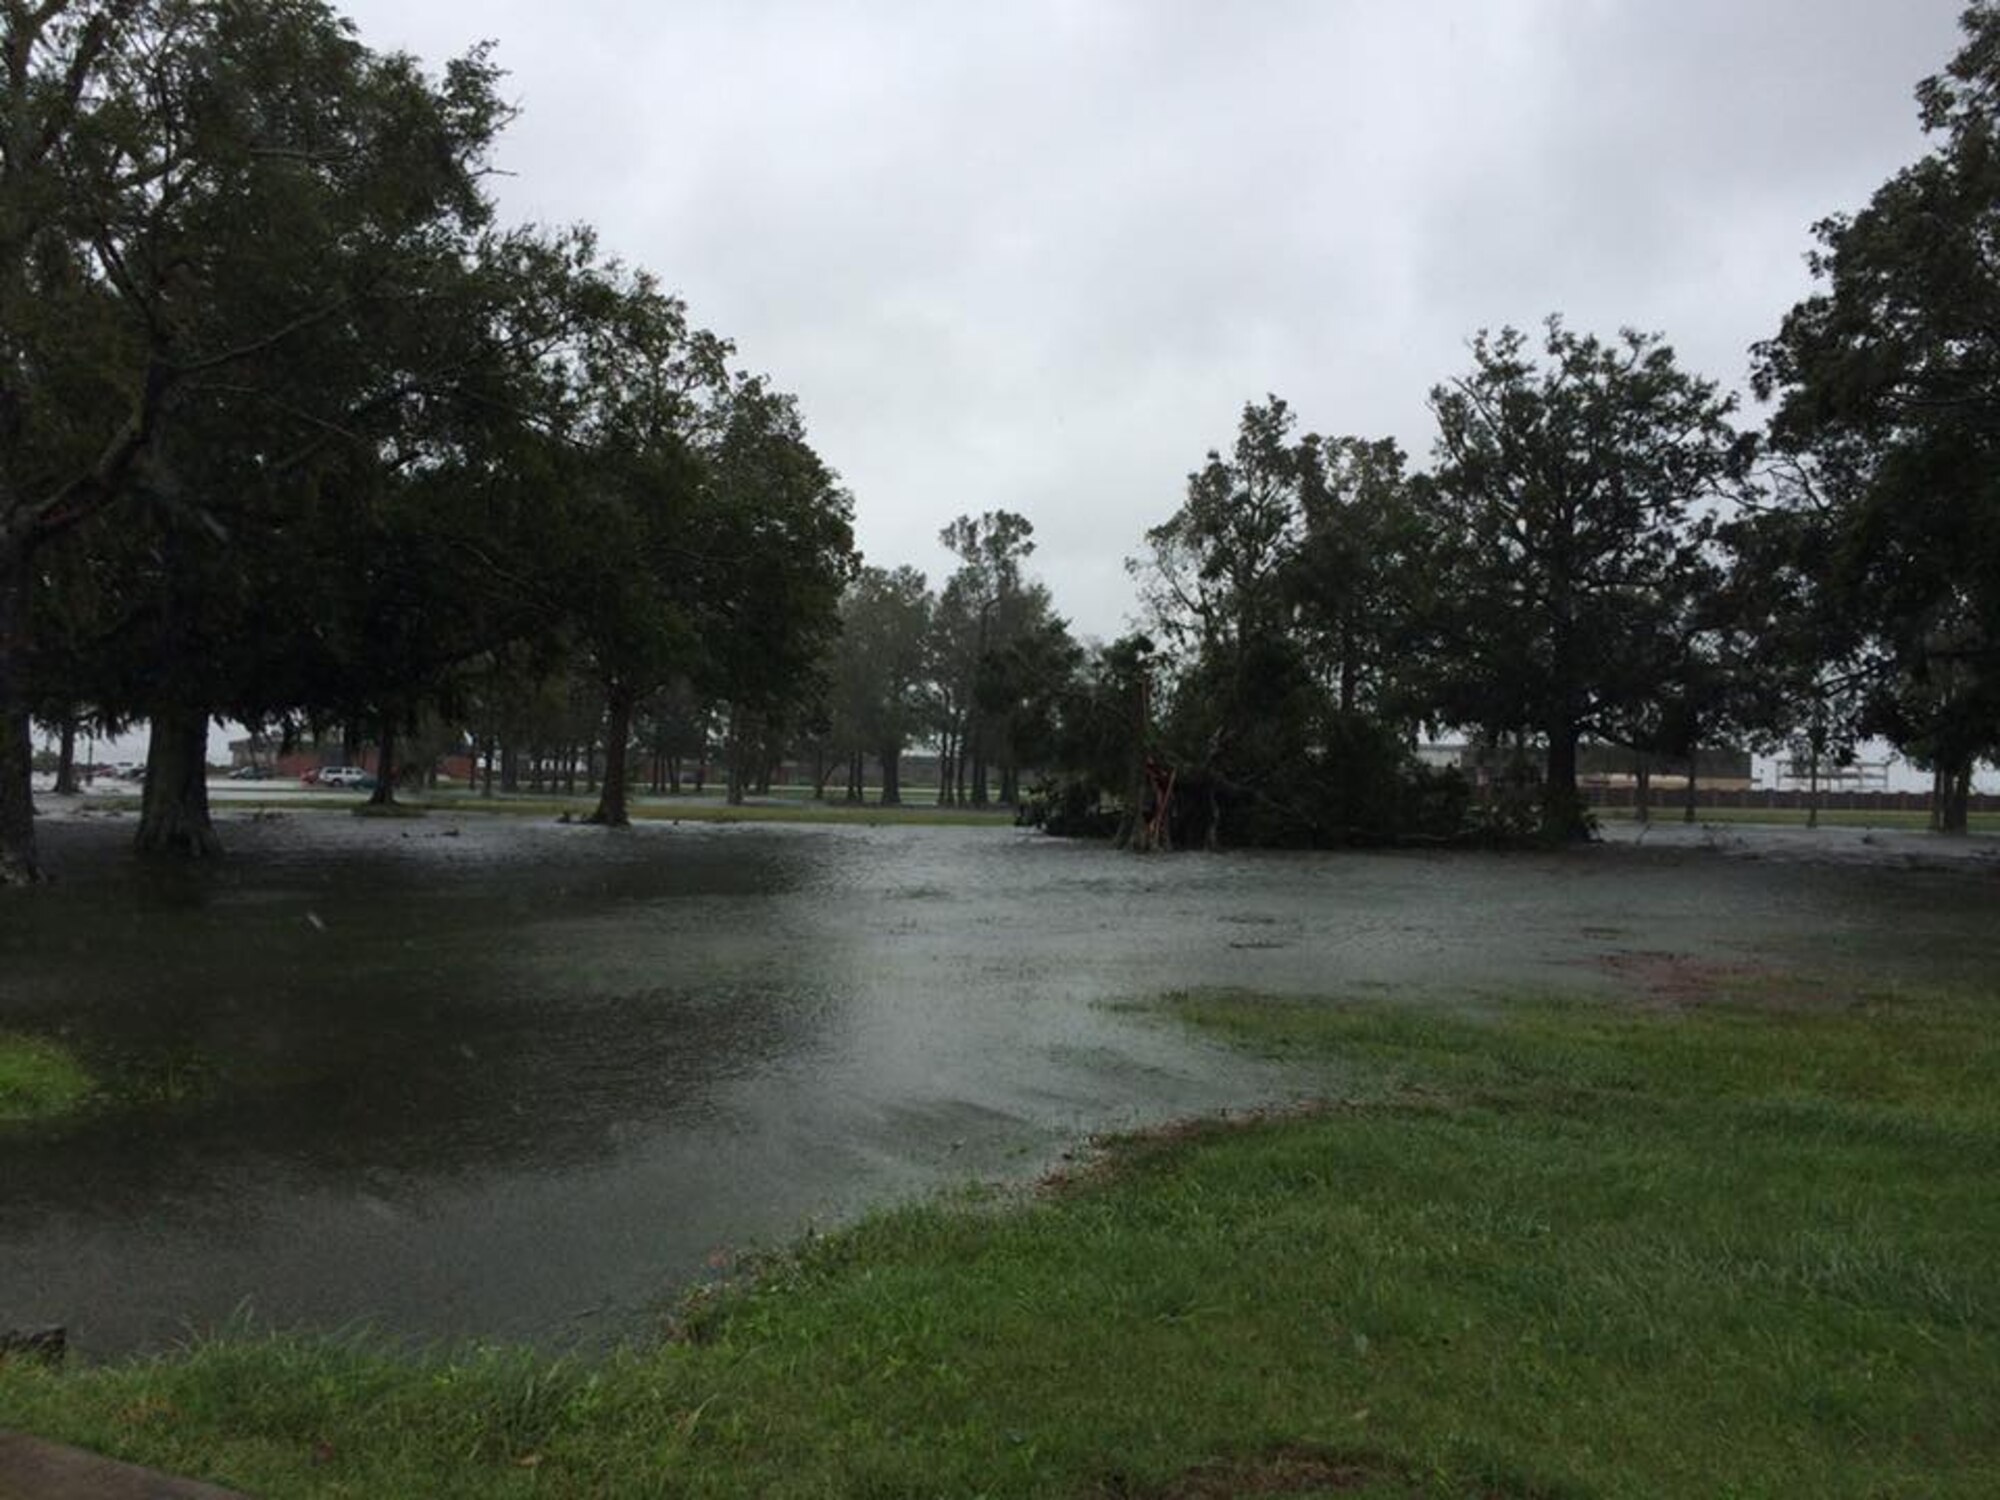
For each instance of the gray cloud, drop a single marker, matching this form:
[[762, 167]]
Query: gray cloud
[[1037, 255]]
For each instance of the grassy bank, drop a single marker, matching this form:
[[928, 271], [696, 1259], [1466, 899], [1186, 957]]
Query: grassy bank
[[1748, 1246], [39, 1080]]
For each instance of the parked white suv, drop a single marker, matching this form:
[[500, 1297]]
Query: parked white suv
[[345, 776]]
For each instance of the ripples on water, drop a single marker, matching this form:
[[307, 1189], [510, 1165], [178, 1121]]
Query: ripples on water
[[486, 1077]]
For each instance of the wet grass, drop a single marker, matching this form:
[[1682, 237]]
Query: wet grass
[[1746, 1245], [648, 810], [696, 811], [1795, 817], [39, 1080]]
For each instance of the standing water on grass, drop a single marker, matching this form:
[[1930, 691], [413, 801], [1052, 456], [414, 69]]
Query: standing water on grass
[[481, 1078]]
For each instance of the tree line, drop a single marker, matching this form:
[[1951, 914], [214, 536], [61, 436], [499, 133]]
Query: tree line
[[1600, 553], [297, 434]]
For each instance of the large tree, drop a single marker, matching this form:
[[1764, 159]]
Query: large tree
[[1888, 380], [1351, 579], [986, 603], [57, 463], [624, 523], [213, 213], [692, 535], [778, 551], [1215, 576], [878, 672], [1568, 501], [1278, 587], [1814, 662]]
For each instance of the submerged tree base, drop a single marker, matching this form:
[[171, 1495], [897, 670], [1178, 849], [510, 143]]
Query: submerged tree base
[[1363, 800], [174, 816], [20, 871]]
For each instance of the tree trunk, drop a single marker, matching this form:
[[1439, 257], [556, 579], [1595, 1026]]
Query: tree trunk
[[384, 794], [892, 775], [1642, 789], [510, 768], [19, 864], [1693, 784], [618, 703], [486, 782], [1562, 809], [1349, 673], [1136, 831], [66, 757], [735, 754], [1955, 788], [857, 776], [1812, 788], [174, 815]]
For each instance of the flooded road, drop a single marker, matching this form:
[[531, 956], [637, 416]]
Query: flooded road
[[480, 1077]]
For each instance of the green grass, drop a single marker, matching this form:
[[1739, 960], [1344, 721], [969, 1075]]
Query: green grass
[[1795, 817], [39, 1080], [1746, 1248]]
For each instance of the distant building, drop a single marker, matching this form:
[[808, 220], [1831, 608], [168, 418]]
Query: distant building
[[1723, 768], [1858, 776]]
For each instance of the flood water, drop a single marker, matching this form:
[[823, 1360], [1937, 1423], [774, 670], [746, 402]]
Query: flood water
[[477, 1077]]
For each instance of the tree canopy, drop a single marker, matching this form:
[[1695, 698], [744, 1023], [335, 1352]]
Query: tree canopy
[[294, 432]]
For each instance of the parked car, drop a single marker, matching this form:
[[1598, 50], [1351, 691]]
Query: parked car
[[251, 773], [310, 775], [346, 776]]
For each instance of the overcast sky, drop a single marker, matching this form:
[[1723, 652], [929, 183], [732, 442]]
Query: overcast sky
[[1038, 255]]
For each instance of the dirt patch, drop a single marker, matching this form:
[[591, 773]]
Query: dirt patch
[[1295, 1472], [1102, 1157], [1284, 1472], [1290, 1473], [1681, 980]]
